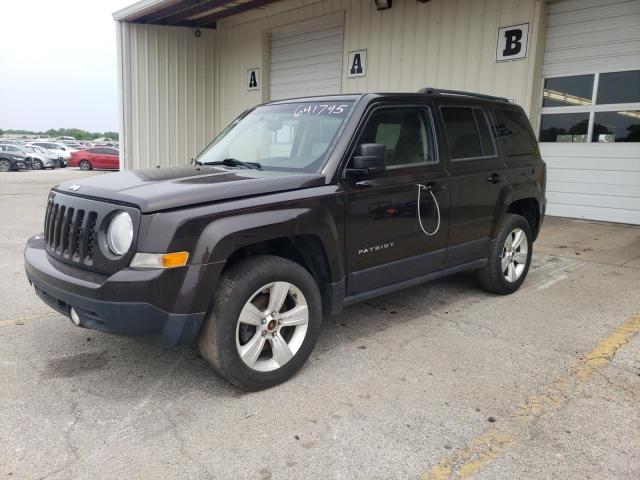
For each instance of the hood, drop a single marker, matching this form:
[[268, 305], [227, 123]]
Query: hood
[[157, 189]]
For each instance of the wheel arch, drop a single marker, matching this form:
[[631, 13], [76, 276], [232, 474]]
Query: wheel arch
[[529, 208], [307, 236]]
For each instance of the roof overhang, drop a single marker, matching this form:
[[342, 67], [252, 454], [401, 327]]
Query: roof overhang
[[185, 13]]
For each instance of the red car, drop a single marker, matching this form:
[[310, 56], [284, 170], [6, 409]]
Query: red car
[[105, 158]]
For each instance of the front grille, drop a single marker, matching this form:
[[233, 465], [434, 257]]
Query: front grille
[[74, 231], [70, 233]]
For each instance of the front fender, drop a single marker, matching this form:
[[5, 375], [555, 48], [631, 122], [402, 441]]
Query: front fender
[[226, 235]]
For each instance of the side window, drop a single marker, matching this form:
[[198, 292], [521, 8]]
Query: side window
[[512, 127], [406, 134], [462, 133], [486, 141]]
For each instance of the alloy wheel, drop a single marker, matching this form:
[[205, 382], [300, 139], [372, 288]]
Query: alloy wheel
[[272, 326], [5, 166], [514, 255]]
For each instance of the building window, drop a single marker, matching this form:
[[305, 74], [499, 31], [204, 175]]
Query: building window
[[563, 91], [612, 127], [619, 87], [564, 127], [594, 108]]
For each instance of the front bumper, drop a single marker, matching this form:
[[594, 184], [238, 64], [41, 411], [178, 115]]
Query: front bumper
[[125, 303]]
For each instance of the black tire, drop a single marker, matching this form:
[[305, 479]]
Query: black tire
[[217, 339], [85, 165], [37, 164], [491, 277], [5, 166]]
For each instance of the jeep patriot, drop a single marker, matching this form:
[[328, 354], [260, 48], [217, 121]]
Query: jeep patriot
[[297, 209]]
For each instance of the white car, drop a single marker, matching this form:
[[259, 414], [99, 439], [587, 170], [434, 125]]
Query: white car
[[59, 149], [40, 158]]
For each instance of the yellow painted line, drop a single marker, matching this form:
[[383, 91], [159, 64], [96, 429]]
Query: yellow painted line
[[21, 320], [488, 446]]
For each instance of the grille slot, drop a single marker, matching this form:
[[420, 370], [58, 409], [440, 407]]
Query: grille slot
[[73, 229], [70, 232]]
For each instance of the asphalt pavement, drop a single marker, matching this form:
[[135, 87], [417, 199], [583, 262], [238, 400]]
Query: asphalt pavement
[[438, 381]]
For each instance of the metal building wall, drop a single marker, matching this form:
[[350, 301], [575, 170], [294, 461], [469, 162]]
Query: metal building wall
[[179, 90], [167, 87], [441, 43]]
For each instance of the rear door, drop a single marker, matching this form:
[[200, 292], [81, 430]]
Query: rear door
[[111, 159], [392, 236], [479, 181], [98, 157]]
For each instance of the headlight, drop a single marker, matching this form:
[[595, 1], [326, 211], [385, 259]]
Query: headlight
[[120, 234]]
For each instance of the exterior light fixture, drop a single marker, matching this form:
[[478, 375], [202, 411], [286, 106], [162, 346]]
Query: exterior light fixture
[[382, 4]]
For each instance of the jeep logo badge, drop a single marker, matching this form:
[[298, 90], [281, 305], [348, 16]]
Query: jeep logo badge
[[75, 187]]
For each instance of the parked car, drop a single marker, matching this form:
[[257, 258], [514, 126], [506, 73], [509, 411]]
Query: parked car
[[62, 151], [100, 158], [299, 208], [12, 158], [40, 158]]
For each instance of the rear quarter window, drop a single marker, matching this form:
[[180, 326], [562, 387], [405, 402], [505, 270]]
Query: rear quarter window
[[512, 128]]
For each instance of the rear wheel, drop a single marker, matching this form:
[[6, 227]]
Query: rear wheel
[[510, 257], [263, 324], [5, 165], [37, 164], [85, 165]]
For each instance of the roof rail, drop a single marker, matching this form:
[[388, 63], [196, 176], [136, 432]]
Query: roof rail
[[440, 91]]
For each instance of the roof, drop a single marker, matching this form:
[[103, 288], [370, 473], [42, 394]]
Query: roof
[[185, 13]]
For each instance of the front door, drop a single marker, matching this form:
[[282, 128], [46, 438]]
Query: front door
[[479, 181], [397, 220]]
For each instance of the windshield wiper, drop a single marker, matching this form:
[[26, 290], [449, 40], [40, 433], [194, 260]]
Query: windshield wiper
[[232, 162]]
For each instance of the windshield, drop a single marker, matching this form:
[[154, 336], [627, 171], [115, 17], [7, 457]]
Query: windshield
[[290, 137]]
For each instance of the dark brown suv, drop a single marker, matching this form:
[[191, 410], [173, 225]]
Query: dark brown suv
[[297, 209]]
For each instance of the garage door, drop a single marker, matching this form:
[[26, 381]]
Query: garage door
[[305, 63], [590, 124]]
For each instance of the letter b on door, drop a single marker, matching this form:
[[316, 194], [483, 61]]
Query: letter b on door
[[512, 42]]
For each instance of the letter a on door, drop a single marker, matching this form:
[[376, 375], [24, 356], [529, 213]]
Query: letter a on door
[[357, 66], [253, 79]]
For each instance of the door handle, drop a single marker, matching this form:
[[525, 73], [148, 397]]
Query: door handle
[[435, 187], [495, 178]]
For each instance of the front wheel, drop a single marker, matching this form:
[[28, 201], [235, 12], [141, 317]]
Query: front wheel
[[510, 257], [263, 323], [5, 165], [37, 164], [85, 165]]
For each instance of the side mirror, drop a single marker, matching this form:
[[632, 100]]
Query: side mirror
[[369, 158]]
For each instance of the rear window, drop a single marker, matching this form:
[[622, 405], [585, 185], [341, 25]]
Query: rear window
[[513, 128]]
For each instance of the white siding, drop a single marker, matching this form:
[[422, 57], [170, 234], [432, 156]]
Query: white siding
[[593, 181], [592, 35], [305, 63], [441, 43], [167, 94], [178, 90]]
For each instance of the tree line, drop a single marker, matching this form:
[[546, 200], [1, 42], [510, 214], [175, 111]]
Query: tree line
[[76, 133]]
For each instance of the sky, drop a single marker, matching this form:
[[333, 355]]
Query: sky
[[58, 64]]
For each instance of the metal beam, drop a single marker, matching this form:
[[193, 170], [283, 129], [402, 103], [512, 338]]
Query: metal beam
[[193, 8], [161, 13], [209, 20]]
